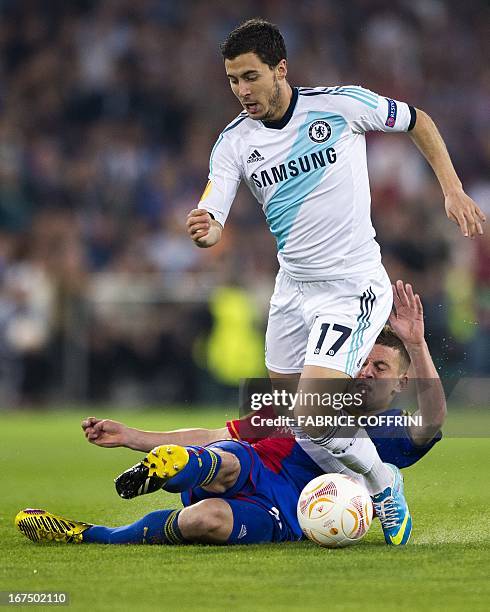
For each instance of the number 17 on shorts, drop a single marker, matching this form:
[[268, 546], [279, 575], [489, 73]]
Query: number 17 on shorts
[[342, 342]]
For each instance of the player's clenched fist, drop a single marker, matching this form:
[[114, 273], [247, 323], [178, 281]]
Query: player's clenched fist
[[104, 432], [204, 231]]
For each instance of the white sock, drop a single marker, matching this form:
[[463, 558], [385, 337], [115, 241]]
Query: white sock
[[378, 478], [360, 455], [354, 448]]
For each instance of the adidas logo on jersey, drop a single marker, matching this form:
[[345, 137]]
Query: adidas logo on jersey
[[243, 532], [255, 157]]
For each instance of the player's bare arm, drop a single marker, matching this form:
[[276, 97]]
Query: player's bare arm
[[204, 231], [110, 434], [460, 208], [407, 320]]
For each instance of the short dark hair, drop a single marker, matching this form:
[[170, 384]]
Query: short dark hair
[[388, 337], [255, 36]]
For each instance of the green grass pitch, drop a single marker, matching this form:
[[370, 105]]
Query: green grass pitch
[[47, 463]]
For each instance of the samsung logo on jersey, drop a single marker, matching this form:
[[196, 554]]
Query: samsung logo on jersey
[[305, 163]]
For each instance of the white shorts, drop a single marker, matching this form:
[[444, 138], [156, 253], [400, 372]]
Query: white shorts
[[333, 324]]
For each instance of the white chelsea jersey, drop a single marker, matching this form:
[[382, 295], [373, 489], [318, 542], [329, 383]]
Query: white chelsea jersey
[[309, 173]]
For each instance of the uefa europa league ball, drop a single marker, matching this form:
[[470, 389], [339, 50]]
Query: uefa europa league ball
[[334, 510]]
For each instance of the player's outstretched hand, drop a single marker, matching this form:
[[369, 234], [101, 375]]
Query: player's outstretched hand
[[461, 209], [204, 231], [104, 432], [407, 316]]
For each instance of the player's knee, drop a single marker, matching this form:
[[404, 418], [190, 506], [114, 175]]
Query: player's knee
[[207, 520]]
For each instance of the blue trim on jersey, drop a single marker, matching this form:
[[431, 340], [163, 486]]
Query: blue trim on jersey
[[283, 207], [212, 153], [365, 323], [356, 93], [355, 89], [220, 138], [367, 301], [312, 91], [233, 125], [353, 340]]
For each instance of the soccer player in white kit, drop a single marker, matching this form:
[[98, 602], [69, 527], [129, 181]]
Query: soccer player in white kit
[[302, 153]]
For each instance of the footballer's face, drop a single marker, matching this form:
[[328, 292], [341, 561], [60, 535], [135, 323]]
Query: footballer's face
[[262, 91], [380, 379]]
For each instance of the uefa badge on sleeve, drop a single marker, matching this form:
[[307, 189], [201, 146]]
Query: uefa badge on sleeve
[[392, 110]]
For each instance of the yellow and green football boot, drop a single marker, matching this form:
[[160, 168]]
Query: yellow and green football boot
[[40, 525]]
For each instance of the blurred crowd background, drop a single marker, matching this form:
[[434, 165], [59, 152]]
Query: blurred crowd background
[[108, 112]]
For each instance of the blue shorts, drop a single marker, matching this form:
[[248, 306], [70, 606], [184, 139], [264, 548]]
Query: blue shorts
[[270, 497]]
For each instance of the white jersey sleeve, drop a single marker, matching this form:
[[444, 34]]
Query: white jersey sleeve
[[367, 111], [224, 179]]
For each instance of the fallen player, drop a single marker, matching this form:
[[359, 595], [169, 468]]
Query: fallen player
[[234, 491]]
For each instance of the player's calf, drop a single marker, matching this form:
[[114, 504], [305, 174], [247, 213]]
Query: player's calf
[[211, 521], [158, 527]]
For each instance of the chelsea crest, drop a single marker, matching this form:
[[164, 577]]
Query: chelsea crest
[[319, 131]]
